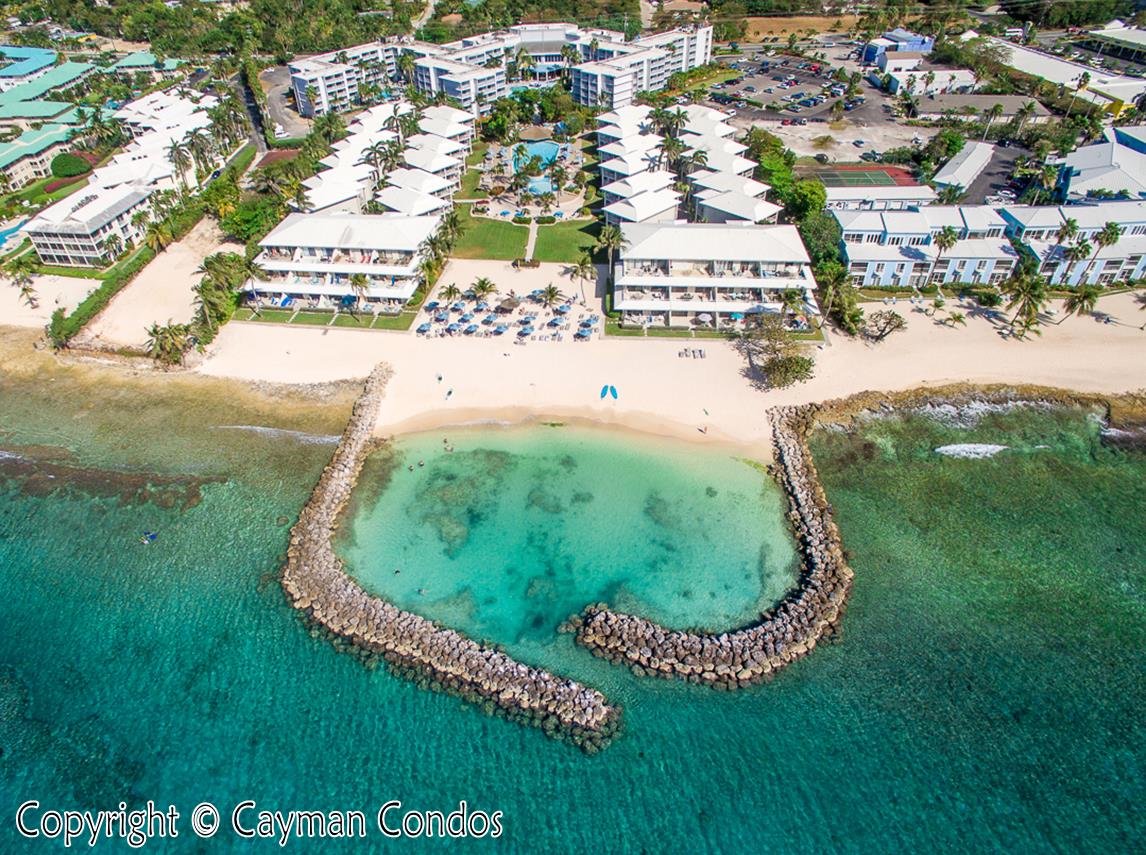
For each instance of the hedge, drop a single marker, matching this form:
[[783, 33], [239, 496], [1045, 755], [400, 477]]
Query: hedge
[[546, 220], [53, 186], [66, 165]]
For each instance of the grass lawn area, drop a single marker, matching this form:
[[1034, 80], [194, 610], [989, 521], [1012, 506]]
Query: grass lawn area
[[613, 327], [566, 241], [469, 188], [478, 154], [362, 321], [491, 239]]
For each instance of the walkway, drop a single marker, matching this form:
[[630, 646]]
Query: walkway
[[532, 239]]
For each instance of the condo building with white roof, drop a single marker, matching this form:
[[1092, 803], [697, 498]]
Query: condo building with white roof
[[313, 257], [897, 249], [1037, 228], [90, 227], [680, 274], [608, 70]]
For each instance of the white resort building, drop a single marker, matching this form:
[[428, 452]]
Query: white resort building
[[606, 70], [95, 224], [311, 258], [682, 274], [897, 249]]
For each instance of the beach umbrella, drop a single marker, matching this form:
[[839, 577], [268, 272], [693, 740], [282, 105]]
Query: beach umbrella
[[555, 322], [524, 331], [489, 319], [499, 329], [525, 322], [508, 305], [482, 306], [471, 329], [736, 316], [441, 316], [424, 328], [458, 306], [467, 317], [433, 304], [536, 293], [453, 328], [704, 318], [586, 323], [584, 332]]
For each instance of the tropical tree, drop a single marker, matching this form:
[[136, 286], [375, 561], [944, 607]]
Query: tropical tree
[[158, 236], [992, 114], [951, 194], [1067, 232], [180, 156], [168, 343], [944, 241], [791, 302], [406, 66], [1081, 301], [451, 292], [113, 246], [483, 287], [1075, 254], [584, 270], [1027, 295], [611, 239], [19, 271], [1083, 81], [358, 285], [1108, 235], [551, 295]]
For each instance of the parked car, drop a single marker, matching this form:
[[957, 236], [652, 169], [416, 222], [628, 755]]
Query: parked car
[[821, 157], [859, 143], [788, 122]]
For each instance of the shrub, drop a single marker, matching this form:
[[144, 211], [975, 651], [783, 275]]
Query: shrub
[[548, 219], [68, 166], [521, 221], [53, 186]]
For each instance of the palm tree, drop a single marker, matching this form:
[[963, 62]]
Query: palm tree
[[1083, 82], [157, 237], [546, 200], [1067, 232], [551, 296], [20, 270], [167, 344], [180, 156], [951, 194], [611, 239], [791, 301], [992, 114], [406, 66], [1027, 294], [358, 285], [944, 241], [140, 219], [583, 270], [113, 246], [1081, 301], [1075, 254], [1108, 235], [483, 287], [451, 292], [1046, 178], [1024, 114]]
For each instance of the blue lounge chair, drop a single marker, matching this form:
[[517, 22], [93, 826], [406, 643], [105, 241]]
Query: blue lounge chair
[[524, 331], [433, 304]]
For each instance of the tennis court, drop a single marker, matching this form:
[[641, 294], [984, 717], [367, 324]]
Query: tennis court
[[855, 178]]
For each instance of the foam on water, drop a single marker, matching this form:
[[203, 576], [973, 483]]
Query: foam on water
[[970, 450]]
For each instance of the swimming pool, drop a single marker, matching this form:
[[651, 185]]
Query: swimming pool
[[7, 233], [546, 151]]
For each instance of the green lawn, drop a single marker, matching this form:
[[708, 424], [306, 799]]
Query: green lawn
[[490, 239], [469, 188], [478, 154], [362, 321], [566, 241]]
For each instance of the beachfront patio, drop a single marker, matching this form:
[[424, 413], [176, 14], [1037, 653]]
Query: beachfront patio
[[515, 312]]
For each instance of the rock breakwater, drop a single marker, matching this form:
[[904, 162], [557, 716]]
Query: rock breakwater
[[810, 612], [315, 582]]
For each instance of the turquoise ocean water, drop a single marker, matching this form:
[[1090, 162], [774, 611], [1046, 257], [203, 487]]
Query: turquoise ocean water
[[987, 694]]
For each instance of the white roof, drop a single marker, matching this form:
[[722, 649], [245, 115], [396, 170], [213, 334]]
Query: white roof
[[630, 164], [892, 222], [966, 166], [944, 78], [1055, 70], [402, 200], [632, 114], [650, 179], [430, 161], [86, 212], [723, 161], [444, 113], [352, 231], [712, 242], [444, 127], [1107, 166], [712, 143], [1086, 216], [742, 207], [891, 193], [709, 128], [418, 179], [644, 206], [631, 145], [727, 182], [1127, 245], [435, 143]]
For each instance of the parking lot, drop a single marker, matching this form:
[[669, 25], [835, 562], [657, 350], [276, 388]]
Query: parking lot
[[869, 122], [276, 84]]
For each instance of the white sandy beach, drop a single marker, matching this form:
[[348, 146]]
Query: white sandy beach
[[662, 393], [161, 292], [52, 292]]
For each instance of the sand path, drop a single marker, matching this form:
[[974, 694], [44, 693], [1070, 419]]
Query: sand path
[[163, 291]]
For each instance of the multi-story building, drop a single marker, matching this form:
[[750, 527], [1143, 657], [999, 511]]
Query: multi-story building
[[90, 228], [898, 249], [1041, 231], [896, 197], [677, 274], [1114, 166], [606, 70], [313, 257], [22, 64], [895, 41], [29, 157]]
